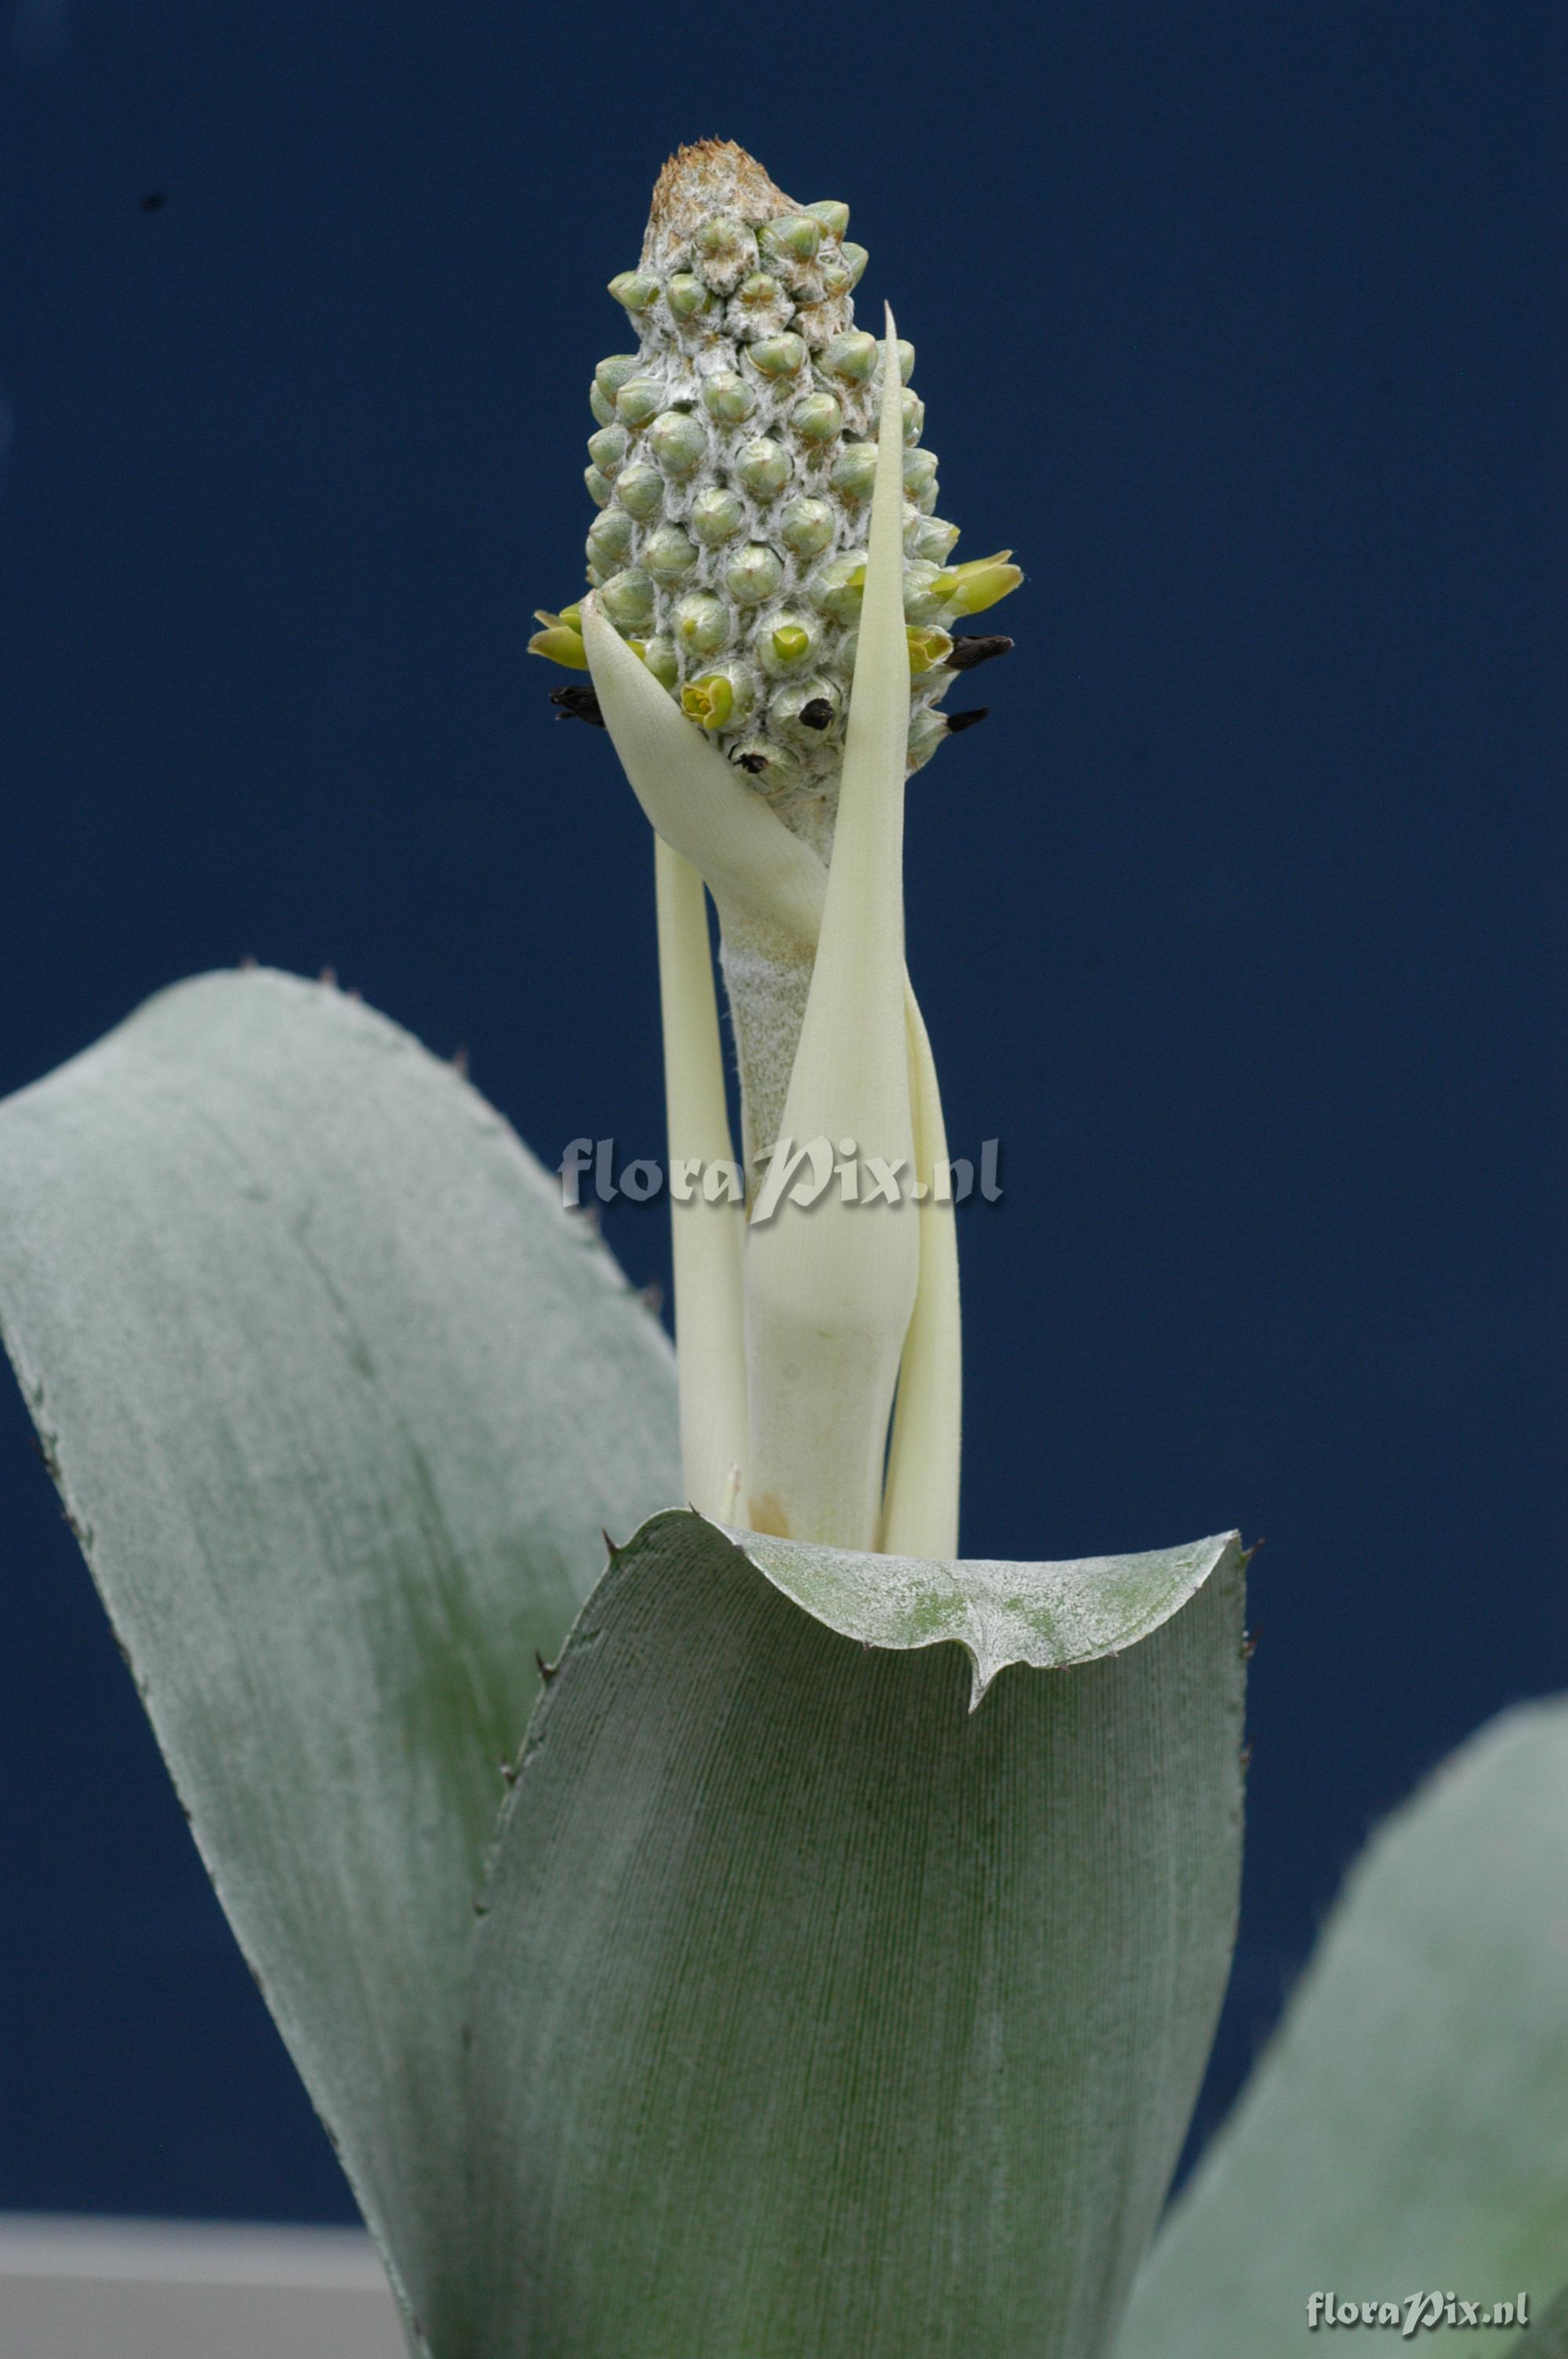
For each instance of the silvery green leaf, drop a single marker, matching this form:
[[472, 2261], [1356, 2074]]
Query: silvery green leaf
[[1052, 1615], [1409, 2126], [1546, 2337], [338, 1397], [816, 2014]]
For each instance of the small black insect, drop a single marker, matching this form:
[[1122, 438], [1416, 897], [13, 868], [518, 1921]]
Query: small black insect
[[960, 720], [817, 714], [754, 762], [577, 702], [973, 649]]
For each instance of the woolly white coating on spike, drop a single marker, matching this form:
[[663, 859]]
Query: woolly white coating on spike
[[752, 397]]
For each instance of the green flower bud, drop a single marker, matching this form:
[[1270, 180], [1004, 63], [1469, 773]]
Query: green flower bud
[[753, 573], [920, 475], [780, 355], [709, 699], [602, 407], [669, 554], [726, 250], [759, 296], [771, 768], [661, 660], [834, 216], [971, 588], [686, 296], [927, 730], [924, 596], [816, 417], [598, 486], [932, 538], [905, 351], [640, 490], [763, 467], [855, 471], [788, 644], [640, 400], [839, 588], [701, 622], [793, 238], [635, 291], [628, 599], [608, 447], [561, 646], [678, 442], [805, 712], [929, 648], [611, 539], [913, 416], [717, 516], [612, 374], [727, 396], [856, 258], [853, 356], [806, 527], [835, 276]]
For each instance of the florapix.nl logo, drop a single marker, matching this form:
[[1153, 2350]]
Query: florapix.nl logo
[[803, 1173]]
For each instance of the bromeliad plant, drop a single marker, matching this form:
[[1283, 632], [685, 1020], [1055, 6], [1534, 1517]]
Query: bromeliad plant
[[791, 1940]]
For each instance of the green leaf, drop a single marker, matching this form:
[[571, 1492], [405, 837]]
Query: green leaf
[[1409, 2126], [1547, 2336], [1048, 1615], [816, 2015], [339, 1398]]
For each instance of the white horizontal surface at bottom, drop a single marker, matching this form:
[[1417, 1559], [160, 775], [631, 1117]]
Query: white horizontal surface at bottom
[[154, 2289]]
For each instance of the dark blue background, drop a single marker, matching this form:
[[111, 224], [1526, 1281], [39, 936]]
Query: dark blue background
[[1239, 924]]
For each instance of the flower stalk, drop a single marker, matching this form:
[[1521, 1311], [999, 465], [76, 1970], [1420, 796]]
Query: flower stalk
[[769, 629]]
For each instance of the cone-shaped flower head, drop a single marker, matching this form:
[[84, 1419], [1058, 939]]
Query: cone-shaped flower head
[[732, 465]]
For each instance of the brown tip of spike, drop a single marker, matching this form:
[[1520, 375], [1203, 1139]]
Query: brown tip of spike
[[713, 176]]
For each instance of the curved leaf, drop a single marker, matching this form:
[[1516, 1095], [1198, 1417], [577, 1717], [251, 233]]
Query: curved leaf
[[1409, 2126], [338, 1397], [814, 2014], [1046, 1615]]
